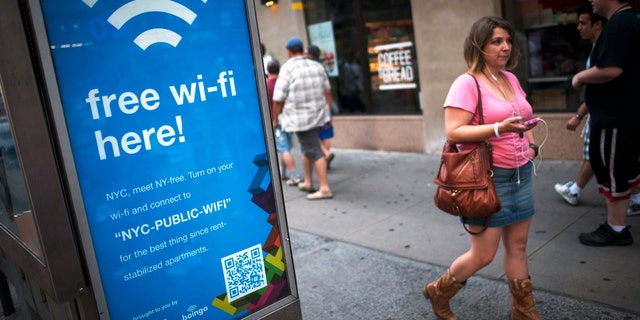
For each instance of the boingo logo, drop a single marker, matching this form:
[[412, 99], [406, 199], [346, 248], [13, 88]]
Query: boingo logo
[[194, 312]]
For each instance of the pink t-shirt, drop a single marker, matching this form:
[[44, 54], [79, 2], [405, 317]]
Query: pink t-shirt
[[509, 150]]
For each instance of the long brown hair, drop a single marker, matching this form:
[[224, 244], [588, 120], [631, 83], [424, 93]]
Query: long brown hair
[[480, 34]]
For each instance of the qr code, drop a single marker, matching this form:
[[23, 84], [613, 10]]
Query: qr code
[[244, 272]]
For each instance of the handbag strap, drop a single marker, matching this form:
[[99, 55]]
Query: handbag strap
[[480, 114], [479, 106], [487, 220]]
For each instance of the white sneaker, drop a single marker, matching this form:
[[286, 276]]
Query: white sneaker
[[294, 181], [563, 190], [634, 209]]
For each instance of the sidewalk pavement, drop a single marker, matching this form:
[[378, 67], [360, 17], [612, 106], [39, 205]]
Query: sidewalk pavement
[[367, 253]]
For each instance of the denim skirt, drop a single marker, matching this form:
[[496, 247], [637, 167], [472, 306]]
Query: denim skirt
[[515, 191]]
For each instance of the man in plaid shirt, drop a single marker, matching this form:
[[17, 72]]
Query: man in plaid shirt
[[302, 104]]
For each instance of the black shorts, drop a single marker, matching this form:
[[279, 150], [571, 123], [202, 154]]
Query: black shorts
[[615, 158]]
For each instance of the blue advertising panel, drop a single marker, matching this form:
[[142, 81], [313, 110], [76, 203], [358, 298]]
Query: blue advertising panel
[[162, 108]]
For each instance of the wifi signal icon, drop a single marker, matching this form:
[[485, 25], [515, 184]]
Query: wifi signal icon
[[135, 8], [192, 308]]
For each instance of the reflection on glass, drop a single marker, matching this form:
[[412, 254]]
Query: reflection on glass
[[375, 53], [16, 216], [552, 51], [393, 67]]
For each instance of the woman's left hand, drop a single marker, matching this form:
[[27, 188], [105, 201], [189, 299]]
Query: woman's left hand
[[533, 151]]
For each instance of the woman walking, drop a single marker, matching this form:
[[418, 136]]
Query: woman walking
[[489, 52]]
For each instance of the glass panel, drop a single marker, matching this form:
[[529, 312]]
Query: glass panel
[[552, 51], [16, 216], [393, 67], [375, 54]]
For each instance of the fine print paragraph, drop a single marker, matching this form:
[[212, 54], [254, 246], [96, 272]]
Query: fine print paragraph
[[207, 215]]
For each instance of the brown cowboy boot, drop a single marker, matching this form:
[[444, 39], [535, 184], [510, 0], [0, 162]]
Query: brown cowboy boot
[[524, 306], [440, 292]]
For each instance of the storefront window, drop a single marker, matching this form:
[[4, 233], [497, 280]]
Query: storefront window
[[552, 51], [16, 216], [370, 53]]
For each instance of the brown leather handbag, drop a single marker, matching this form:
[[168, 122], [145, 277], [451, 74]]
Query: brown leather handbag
[[465, 179]]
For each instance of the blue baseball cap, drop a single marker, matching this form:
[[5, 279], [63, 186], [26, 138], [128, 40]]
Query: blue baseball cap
[[294, 43]]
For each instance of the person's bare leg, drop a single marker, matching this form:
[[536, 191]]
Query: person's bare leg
[[325, 145], [585, 174], [321, 171], [482, 252], [516, 265], [308, 178], [326, 151], [617, 212], [289, 163]]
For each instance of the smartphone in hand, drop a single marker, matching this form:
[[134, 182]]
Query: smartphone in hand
[[532, 121]]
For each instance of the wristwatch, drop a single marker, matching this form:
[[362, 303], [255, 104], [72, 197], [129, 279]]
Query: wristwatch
[[535, 148]]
